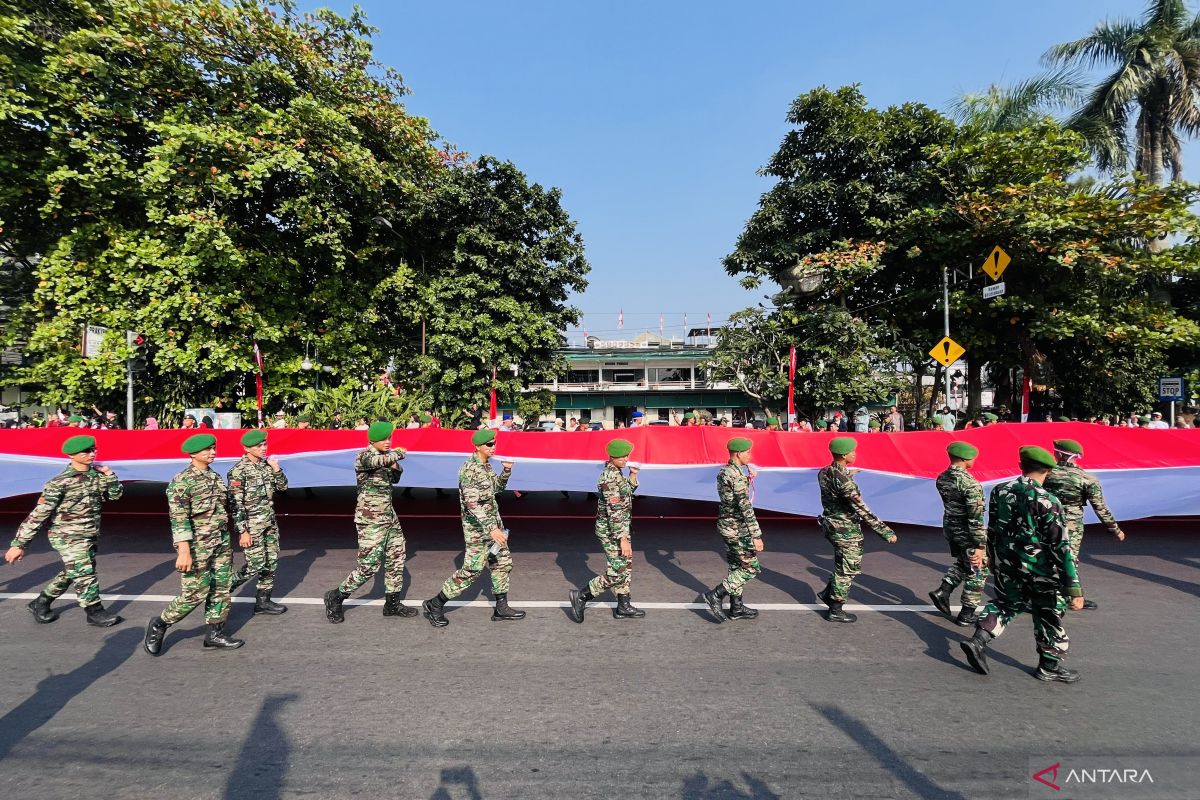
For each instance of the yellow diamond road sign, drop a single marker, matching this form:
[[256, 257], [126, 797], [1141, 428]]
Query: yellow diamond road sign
[[947, 351], [996, 263]]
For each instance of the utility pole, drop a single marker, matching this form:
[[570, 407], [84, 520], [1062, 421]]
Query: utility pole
[[946, 325]]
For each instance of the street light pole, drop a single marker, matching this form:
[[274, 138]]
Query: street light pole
[[946, 324]]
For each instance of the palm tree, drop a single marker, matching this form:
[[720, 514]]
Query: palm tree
[[1157, 62], [1011, 108]]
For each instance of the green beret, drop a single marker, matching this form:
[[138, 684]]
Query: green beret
[[822, 424], [426, 418], [773, 421], [201, 441], [1068, 446], [77, 418], [874, 425], [483, 436], [379, 431], [304, 418], [1036, 458], [961, 450], [619, 448], [253, 438], [1064, 419], [842, 445], [739, 445], [689, 415], [77, 444], [1144, 418], [936, 419], [990, 417]]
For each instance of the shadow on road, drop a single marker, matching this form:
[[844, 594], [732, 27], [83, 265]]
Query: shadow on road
[[457, 783], [699, 787], [262, 763]]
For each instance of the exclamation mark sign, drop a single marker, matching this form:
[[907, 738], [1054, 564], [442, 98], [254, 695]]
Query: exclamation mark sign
[[946, 347], [996, 260]]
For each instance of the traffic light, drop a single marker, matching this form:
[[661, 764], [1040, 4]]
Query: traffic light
[[139, 349]]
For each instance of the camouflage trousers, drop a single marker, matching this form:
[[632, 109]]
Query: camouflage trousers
[[620, 569], [79, 567], [475, 558], [378, 543], [262, 558], [208, 582], [1017, 595], [847, 541], [1075, 539], [962, 572], [741, 558]]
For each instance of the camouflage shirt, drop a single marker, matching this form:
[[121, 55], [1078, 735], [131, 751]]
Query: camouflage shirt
[[1075, 488], [841, 501], [1027, 537], [734, 506], [962, 501], [375, 472], [70, 501], [253, 485], [478, 485], [199, 506], [614, 508]]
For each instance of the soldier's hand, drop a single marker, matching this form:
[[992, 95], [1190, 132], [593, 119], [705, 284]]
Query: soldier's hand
[[499, 538], [14, 554], [758, 545], [626, 548], [853, 471], [183, 561], [893, 538], [506, 464], [751, 471], [103, 470], [1120, 534], [244, 540], [976, 558], [1076, 603], [273, 463]]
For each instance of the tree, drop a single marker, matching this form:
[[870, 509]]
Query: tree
[[1157, 72], [1022, 105]]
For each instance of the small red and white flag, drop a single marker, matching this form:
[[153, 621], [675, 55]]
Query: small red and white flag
[[660, 325], [258, 380], [709, 323], [621, 319]]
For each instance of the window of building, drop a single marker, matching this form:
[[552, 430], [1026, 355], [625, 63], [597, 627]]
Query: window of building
[[583, 376], [669, 374], [624, 375]]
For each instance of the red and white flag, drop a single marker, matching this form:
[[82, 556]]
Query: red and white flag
[[492, 402], [621, 319], [258, 381], [709, 315], [660, 326], [1025, 387], [791, 409]]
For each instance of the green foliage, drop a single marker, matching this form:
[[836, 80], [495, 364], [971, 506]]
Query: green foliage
[[354, 402], [532, 405]]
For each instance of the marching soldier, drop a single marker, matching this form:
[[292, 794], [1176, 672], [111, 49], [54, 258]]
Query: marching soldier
[[614, 510], [772, 423], [483, 530], [70, 504], [842, 509], [739, 528], [1033, 568], [199, 505], [380, 538], [966, 533], [254, 480], [1075, 488]]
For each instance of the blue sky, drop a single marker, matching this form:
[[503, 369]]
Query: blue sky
[[653, 117]]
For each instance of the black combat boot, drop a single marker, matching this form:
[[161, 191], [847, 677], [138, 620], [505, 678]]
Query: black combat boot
[[967, 616], [238, 579], [40, 608], [1089, 605], [579, 598], [941, 597], [392, 607], [433, 610], [823, 596], [217, 637], [713, 600], [156, 631], [503, 612], [97, 615], [626, 610], [836, 614], [739, 611], [333, 605], [976, 650], [263, 604], [1049, 669]]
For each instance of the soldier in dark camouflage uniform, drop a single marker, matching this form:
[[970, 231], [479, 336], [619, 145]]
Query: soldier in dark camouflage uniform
[[1032, 566], [966, 533], [199, 505], [380, 538], [483, 531], [254, 480], [1075, 488], [70, 503], [842, 509], [739, 528], [614, 510]]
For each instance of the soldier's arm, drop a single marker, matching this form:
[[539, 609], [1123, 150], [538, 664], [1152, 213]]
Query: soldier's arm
[[973, 498], [179, 509], [853, 496], [502, 481], [52, 495], [746, 508], [1095, 495], [280, 480], [110, 486], [377, 460], [1052, 531]]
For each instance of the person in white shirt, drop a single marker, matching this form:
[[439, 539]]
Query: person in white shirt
[[1156, 421]]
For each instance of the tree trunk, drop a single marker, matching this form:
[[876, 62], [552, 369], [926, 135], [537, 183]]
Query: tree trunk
[[938, 380], [918, 378], [974, 387]]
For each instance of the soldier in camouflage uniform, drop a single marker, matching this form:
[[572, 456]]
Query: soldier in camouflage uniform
[[380, 538], [199, 505], [1075, 488], [614, 510], [70, 503], [483, 530], [739, 528], [966, 533], [842, 509], [253, 481], [1032, 566]]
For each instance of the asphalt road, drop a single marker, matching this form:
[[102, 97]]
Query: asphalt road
[[671, 706]]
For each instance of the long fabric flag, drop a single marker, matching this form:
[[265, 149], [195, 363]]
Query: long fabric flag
[[1144, 472]]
